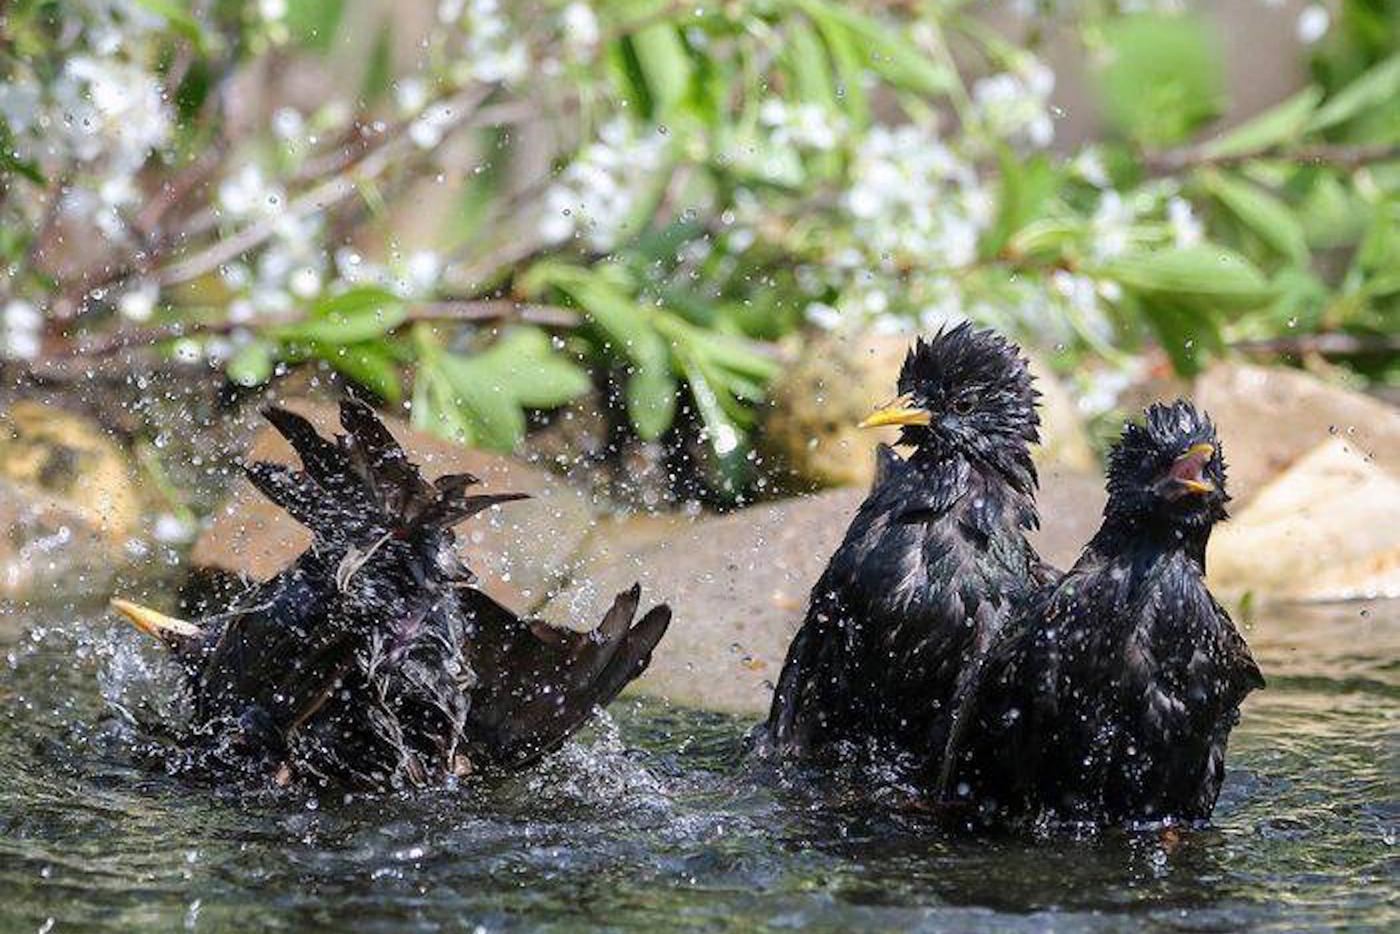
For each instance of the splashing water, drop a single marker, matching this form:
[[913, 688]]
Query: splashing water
[[652, 819]]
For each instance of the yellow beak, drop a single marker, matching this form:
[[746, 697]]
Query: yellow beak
[[1195, 459], [152, 623], [900, 411]]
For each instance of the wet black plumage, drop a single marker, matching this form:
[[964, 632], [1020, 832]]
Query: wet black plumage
[[1112, 695], [930, 567], [372, 660]]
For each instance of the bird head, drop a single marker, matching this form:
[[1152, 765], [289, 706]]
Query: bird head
[[1169, 468], [967, 390]]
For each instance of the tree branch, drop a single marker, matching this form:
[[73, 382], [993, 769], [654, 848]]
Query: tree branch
[[1173, 161], [1334, 344]]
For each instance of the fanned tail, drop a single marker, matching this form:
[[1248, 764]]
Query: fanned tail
[[539, 684], [361, 486]]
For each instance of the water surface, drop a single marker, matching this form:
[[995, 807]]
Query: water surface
[[651, 821]]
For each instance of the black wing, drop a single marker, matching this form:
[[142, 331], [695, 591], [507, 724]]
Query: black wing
[[538, 684]]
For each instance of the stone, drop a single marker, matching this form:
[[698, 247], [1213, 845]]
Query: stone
[[69, 505], [1322, 530], [1269, 417], [519, 550], [60, 455], [738, 583], [809, 427]]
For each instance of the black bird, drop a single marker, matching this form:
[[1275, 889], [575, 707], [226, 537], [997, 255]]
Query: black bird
[[1111, 697], [929, 570], [372, 660]]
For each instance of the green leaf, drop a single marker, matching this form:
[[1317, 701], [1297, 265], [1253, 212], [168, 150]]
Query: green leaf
[[1025, 186], [1379, 86], [352, 317], [1269, 218], [535, 374], [665, 67], [313, 23], [369, 364], [180, 20], [625, 323], [1205, 275], [1163, 78], [806, 62], [486, 403], [252, 364], [887, 53], [846, 57], [651, 400], [1183, 332], [1281, 123]]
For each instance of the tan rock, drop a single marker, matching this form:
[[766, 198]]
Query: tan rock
[[53, 454], [1324, 529], [810, 431], [68, 505], [1269, 417], [738, 583], [519, 551]]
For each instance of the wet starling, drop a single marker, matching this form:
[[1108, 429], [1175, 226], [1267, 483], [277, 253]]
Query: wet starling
[[1110, 697], [372, 660], [929, 570]]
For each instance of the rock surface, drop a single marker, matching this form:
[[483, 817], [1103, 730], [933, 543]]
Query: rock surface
[[519, 550], [1324, 529], [69, 504], [810, 431], [1269, 417], [738, 583], [66, 457]]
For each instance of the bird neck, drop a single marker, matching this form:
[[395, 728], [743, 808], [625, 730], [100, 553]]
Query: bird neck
[[948, 474], [1134, 538]]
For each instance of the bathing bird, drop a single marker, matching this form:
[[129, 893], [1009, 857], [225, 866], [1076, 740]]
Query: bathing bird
[[931, 567], [1111, 696], [373, 660]]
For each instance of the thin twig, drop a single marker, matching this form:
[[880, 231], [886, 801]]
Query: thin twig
[[1334, 344], [1172, 161], [319, 198], [553, 316]]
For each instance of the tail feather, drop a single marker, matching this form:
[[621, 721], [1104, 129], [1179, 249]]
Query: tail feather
[[397, 483], [323, 460], [361, 485], [538, 684]]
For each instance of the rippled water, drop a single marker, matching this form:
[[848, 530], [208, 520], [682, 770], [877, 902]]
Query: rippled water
[[652, 821]]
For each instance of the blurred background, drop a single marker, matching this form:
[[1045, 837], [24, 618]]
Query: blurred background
[[662, 255]]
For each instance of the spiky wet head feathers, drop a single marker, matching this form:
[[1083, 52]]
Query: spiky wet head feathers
[[978, 390], [1148, 467]]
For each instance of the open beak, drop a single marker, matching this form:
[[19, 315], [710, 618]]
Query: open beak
[[168, 629], [900, 411], [1187, 472]]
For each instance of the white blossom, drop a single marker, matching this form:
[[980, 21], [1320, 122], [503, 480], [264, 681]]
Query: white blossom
[[1110, 227], [599, 191], [1313, 23], [20, 326], [1013, 105], [823, 316], [139, 302], [1186, 228], [580, 26], [427, 131], [910, 195], [809, 126]]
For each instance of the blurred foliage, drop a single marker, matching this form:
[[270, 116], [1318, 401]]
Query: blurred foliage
[[483, 209]]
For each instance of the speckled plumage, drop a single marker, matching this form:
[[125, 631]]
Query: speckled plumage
[[929, 570], [372, 660], [1112, 694]]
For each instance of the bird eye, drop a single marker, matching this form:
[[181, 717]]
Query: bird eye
[[961, 406]]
